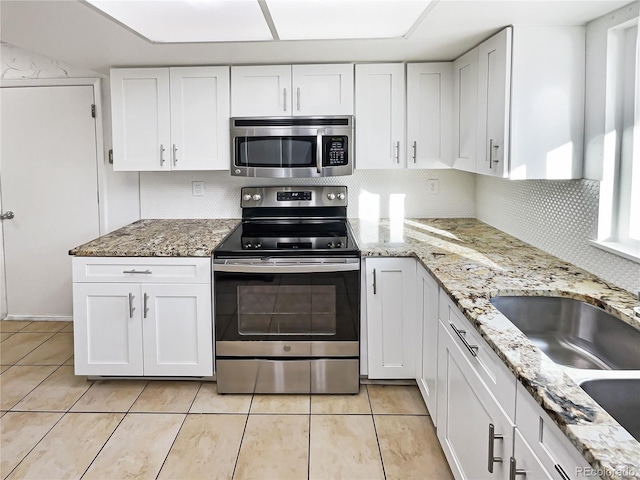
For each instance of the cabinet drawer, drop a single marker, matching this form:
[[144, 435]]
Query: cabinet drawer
[[142, 270], [546, 440], [500, 381]]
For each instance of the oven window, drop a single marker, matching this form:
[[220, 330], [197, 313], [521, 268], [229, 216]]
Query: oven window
[[286, 309], [287, 152]]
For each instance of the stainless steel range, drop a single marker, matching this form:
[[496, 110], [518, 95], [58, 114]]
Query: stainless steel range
[[287, 295]]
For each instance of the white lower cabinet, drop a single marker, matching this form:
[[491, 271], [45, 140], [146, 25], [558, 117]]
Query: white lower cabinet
[[125, 327], [392, 327], [481, 406], [541, 449], [475, 433], [427, 312]]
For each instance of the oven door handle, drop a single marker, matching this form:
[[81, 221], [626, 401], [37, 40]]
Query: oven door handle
[[285, 266], [319, 150]]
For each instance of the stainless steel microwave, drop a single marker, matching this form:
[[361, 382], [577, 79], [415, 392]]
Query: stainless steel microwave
[[292, 147]]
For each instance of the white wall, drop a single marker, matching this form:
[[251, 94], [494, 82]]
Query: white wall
[[559, 217], [169, 194]]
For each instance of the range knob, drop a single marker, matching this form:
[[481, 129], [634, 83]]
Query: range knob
[[246, 197], [238, 171], [331, 245], [339, 245], [257, 197], [341, 196], [257, 245], [331, 196], [248, 245]]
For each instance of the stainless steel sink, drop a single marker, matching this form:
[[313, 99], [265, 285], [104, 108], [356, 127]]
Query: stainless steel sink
[[620, 397], [573, 333]]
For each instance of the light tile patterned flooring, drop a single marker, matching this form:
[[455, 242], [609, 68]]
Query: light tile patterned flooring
[[55, 425]]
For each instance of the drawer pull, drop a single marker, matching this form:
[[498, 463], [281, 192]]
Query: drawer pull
[[374, 282], [513, 471], [141, 272], [561, 472], [491, 455], [473, 349]]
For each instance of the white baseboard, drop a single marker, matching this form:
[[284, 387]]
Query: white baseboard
[[40, 318]]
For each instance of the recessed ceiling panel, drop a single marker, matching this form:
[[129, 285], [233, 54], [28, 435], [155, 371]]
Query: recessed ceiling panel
[[188, 21], [344, 19]]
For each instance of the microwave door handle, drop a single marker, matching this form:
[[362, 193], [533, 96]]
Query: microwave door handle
[[319, 151]]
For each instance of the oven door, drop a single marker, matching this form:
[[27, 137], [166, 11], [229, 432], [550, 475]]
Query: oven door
[[285, 307]]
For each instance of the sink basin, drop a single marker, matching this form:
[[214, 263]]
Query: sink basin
[[620, 398], [573, 333]]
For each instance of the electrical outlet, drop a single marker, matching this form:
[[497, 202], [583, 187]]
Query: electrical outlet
[[432, 187], [197, 189]]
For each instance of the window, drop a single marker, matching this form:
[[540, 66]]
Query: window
[[619, 215]]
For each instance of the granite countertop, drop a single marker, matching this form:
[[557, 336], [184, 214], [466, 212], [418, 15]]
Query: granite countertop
[[160, 238], [472, 262]]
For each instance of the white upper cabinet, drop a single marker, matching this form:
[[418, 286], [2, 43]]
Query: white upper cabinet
[[140, 108], [494, 75], [465, 111], [323, 89], [529, 104], [170, 118], [429, 123], [283, 90], [380, 116], [200, 118]]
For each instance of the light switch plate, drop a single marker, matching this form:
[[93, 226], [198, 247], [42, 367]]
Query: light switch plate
[[433, 187], [197, 189]]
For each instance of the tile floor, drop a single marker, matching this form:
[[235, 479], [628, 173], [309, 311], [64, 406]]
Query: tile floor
[[55, 425]]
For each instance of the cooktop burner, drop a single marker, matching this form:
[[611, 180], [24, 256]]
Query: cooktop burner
[[291, 221]]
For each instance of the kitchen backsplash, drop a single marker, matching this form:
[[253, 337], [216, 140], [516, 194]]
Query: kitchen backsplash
[[559, 217], [169, 195]]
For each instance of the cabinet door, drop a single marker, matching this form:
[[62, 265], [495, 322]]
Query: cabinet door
[[263, 90], [465, 111], [107, 332], [177, 330], [427, 310], [141, 119], [466, 412], [494, 90], [380, 116], [323, 89], [393, 339], [429, 104], [526, 460], [200, 118]]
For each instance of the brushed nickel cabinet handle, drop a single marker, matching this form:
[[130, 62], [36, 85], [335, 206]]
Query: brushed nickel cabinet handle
[[284, 96], [561, 472], [175, 154], [161, 154], [145, 305], [131, 307], [473, 349], [7, 215], [374, 282], [298, 98], [415, 148], [141, 272], [513, 471], [491, 455]]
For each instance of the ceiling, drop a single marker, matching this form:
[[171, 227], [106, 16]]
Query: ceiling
[[75, 32]]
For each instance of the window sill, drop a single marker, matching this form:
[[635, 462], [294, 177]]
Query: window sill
[[617, 249]]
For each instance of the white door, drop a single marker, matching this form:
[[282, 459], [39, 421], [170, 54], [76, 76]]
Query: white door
[[465, 111], [141, 119], [48, 177], [177, 330], [380, 119], [200, 118], [393, 334], [429, 104], [323, 89], [261, 91], [107, 329]]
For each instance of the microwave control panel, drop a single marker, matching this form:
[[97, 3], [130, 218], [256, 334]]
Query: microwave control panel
[[335, 151]]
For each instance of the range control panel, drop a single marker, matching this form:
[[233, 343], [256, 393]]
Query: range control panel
[[307, 196]]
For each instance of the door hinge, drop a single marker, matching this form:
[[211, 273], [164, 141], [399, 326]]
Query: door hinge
[[93, 110]]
